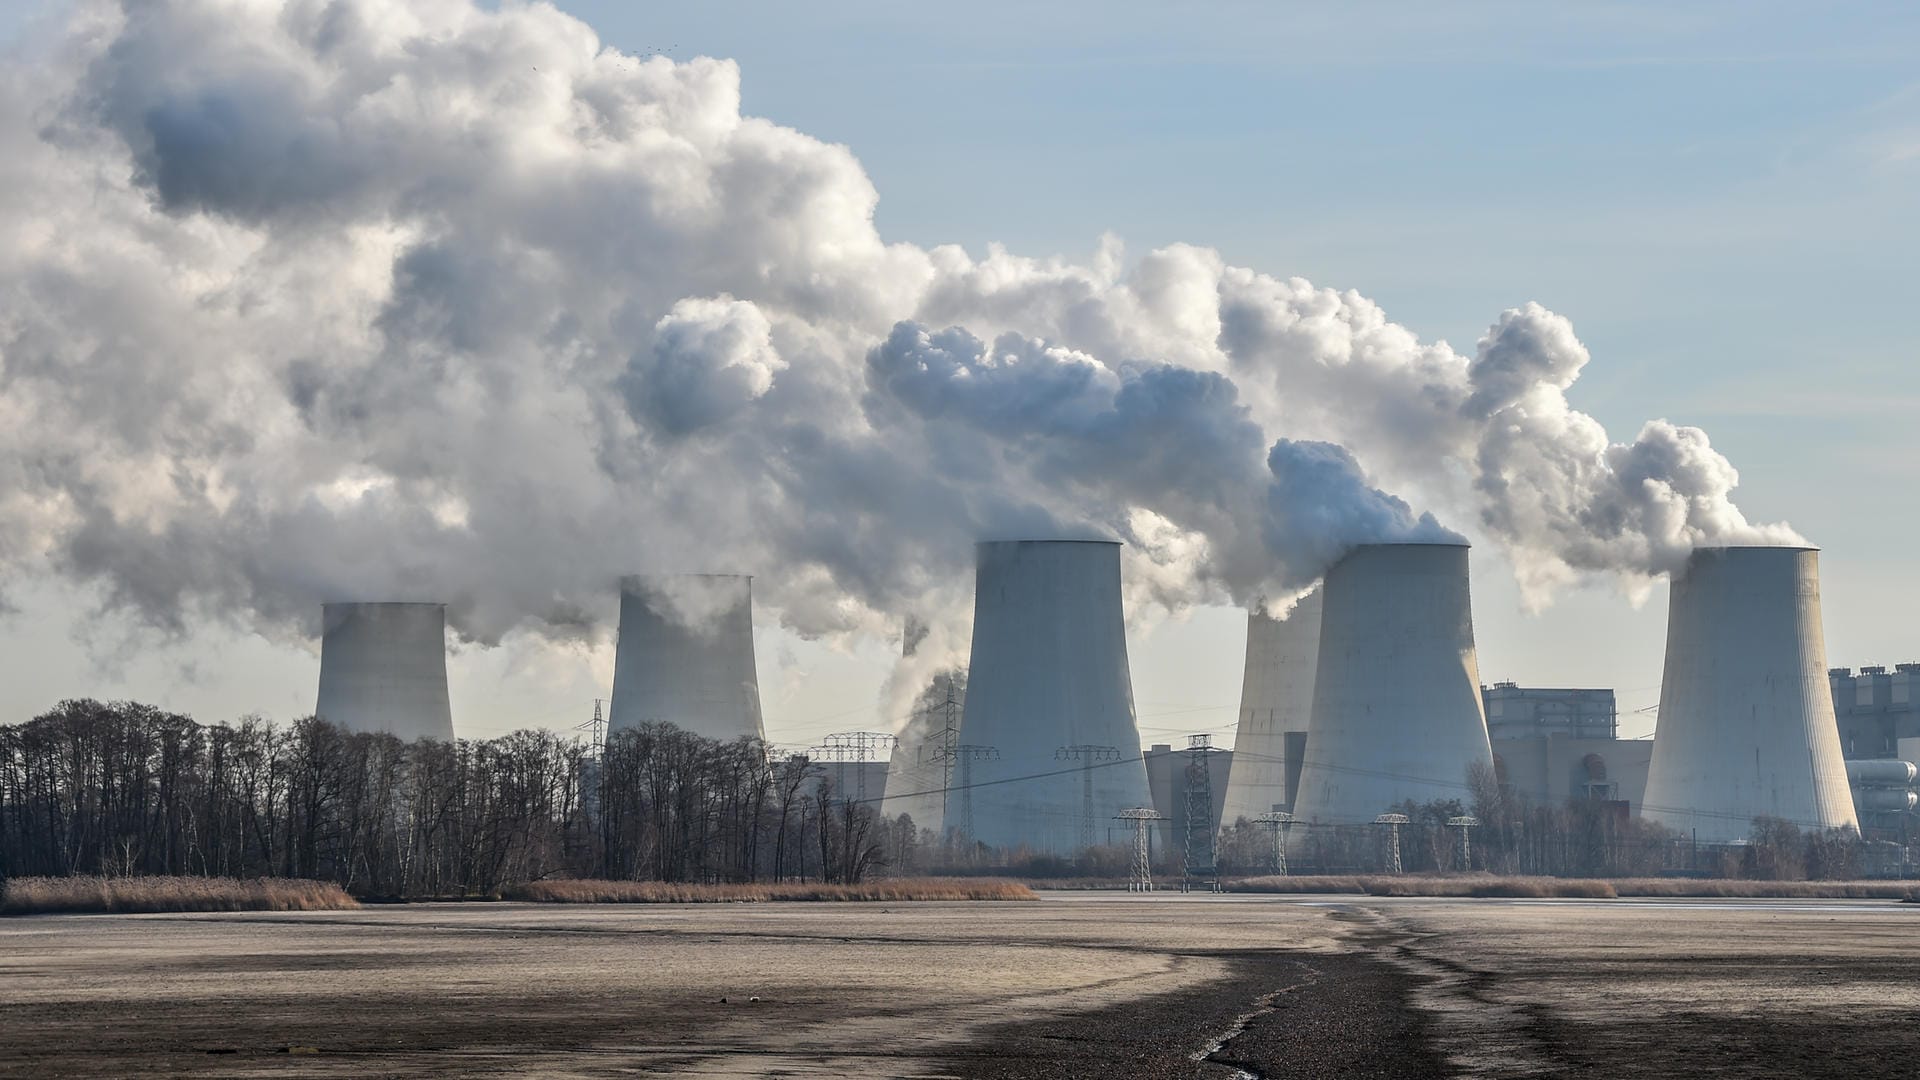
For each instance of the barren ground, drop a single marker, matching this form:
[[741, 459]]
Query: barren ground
[[1077, 985]]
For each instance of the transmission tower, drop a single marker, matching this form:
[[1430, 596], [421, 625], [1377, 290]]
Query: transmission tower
[[1465, 824], [1390, 840], [946, 750], [1276, 822], [859, 747], [1140, 871], [596, 730], [966, 754], [1086, 755], [1197, 854]]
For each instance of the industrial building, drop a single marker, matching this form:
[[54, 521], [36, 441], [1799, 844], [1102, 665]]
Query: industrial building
[[1746, 728], [1168, 780], [1396, 697], [1552, 744], [1048, 749], [1876, 709], [1878, 715], [1276, 703], [383, 668], [685, 656]]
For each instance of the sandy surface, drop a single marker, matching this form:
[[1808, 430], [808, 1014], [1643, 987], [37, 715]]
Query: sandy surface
[[1077, 985]]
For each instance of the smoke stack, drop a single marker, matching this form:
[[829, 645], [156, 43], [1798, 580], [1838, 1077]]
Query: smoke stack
[[1746, 724], [383, 667], [1276, 702], [1048, 674], [685, 656], [1396, 696]]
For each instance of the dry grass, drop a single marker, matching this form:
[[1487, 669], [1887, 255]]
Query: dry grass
[[47, 895], [1426, 885], [583, 891], [1812, 890], [1577, 888]]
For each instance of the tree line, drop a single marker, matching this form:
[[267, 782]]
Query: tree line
[[122, 788]]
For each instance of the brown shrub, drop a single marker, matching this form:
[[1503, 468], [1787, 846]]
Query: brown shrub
[[47, 895], [592, 891]]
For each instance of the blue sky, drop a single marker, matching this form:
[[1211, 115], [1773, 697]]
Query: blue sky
[[1722, 199]]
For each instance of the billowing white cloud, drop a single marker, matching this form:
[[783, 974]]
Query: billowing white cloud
[[313, 300]]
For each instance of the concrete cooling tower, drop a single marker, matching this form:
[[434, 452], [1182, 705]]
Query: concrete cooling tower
[[1396, 696], [383, 667], [1049, 709], [1746, 716], [1276, 702], [685, 656]]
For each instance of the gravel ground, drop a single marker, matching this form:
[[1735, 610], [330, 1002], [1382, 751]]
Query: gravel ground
[[1077, 985]]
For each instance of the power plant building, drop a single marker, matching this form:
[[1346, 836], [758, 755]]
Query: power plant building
[[1397, 714], [1746, 712], [1048, 743], [685, 656], [1878, 714], [1276, 704], [1167, 779], [383, 668], [1551, 745]]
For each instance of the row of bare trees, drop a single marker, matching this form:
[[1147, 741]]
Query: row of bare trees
[[123, 788]]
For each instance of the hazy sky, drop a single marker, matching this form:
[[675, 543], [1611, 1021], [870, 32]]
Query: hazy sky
[[1722, 199]]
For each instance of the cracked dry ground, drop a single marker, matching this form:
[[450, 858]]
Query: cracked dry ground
[[1076, 985]]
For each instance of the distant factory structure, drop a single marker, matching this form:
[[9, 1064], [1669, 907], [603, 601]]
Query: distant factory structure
[[1397, 715], [1171, 777], [383, 668], [1554, 744], [1746, 725], [1276, 704], [1878, 715], [1361, 697], [685, 656], [1048, 747]]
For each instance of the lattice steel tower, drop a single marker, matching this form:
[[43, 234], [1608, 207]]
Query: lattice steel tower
[[1086, 755], [1197, 853]]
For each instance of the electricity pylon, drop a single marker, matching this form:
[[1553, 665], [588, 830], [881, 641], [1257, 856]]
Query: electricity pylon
[[1086, 755], [1140, 870]]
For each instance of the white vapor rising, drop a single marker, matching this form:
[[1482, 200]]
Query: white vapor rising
[[309, 301]]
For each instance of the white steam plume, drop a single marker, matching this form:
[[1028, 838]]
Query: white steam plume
[[317, 300]]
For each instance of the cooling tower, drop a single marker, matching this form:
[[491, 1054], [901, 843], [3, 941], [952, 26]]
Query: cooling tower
[[1746, 724], [1396, 695], [1276, 701], [1049, 706], [383, 667], [685, 656]]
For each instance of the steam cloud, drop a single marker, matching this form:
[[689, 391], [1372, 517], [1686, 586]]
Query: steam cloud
[[309, 301]]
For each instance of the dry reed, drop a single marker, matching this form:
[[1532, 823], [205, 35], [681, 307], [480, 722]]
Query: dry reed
[[1572, 888], [590, 891], [50, 895]]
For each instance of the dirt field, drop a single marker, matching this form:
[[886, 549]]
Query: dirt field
[[1077, 985]]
